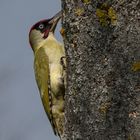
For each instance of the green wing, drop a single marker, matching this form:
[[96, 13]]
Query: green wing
[[41, 67]]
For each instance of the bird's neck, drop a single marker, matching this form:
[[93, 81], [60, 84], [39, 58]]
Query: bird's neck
[[42, 42], [50, 37]]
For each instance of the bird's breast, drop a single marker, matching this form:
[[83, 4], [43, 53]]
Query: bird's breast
[[56, 78]]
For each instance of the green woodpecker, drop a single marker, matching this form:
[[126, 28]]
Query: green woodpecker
[[49, 70]]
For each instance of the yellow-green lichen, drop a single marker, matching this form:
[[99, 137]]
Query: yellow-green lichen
[[112, 15], [104, 107], [106, 14], [86, 1], [136, 66], [79, 11], [130, 137]]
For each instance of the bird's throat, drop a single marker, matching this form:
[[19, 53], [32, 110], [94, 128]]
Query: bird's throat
[[46, 33]]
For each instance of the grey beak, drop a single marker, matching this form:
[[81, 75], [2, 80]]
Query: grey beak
[[55, 20], [56, 17]]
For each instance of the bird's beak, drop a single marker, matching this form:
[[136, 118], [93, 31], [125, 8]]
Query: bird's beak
[[55, 20]]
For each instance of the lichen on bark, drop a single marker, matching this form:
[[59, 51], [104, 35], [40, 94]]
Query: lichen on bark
[[102, 99]]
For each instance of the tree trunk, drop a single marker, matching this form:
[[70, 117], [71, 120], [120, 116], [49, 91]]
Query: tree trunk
[[102, 41]]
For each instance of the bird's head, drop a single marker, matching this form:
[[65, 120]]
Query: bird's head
[[41, 30]]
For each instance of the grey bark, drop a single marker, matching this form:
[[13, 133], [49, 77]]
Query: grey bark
[[102, 99]]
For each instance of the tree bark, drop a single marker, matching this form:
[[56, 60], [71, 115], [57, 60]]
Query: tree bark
[[102, 42]]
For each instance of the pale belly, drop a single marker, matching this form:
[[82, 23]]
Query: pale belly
[[56, 79]]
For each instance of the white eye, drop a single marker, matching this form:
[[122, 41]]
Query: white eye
[[41, 26]]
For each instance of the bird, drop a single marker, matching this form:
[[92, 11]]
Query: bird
[[49, 69]]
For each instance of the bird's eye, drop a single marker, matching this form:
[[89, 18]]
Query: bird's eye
[[41, 26]]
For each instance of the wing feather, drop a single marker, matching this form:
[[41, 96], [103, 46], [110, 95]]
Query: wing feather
[[41, 67]]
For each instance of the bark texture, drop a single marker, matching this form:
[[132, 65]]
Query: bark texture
[[102, 41]]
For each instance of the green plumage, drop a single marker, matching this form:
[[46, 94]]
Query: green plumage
[[49, 75], [41, 67], [49, 70]]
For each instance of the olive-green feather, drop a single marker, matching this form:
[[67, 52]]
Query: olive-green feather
[[41, 67]]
